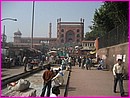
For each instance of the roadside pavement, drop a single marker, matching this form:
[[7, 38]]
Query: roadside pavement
[[93, 83]]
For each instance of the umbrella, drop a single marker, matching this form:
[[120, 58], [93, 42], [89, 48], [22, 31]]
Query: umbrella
[[76, 46], [52, 52]]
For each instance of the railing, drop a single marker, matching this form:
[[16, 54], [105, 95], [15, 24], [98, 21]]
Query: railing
[[116, 36]]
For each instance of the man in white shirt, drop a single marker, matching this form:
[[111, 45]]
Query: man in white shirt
[[58, 79], [118, 71], [70, 62]]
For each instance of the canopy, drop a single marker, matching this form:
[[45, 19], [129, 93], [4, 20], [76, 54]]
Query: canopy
[[52, 52], [92, 52]]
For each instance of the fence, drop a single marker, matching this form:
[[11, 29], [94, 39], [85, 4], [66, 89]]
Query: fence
[[116, 36]]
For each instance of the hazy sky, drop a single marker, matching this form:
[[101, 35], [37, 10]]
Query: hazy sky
[[45, 12]]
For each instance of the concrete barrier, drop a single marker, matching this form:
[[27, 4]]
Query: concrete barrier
[[67, 84], [64, 87]]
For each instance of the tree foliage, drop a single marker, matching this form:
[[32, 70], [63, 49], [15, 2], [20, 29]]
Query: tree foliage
[[107, 17]]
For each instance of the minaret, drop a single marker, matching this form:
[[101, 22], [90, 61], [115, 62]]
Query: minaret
[[50, 30]]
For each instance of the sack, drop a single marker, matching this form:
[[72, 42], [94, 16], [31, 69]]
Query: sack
[[20, 85]]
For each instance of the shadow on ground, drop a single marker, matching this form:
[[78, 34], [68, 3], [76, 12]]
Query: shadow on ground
[[71, 89]]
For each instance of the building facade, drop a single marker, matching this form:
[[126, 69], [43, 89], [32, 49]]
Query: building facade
[[70, 32], [20, 41], [88, 45]]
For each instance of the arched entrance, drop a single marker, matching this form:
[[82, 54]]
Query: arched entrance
[[70, 36]]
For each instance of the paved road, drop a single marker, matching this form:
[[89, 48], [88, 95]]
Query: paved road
[[8, 72], [92, 83]]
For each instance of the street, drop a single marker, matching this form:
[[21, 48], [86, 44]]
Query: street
[[92, 83]]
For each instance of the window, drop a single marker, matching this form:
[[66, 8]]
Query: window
[[70, 39], [78, 35], [70, 34], [62, 30], [62, 35], [77, 30], [77, 40], [62, 41]]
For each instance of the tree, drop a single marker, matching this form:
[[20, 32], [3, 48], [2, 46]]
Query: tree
[[107, 17]]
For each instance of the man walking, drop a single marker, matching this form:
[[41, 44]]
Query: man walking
[[25, 61], [70, 62], [118, 71], [79, 61]]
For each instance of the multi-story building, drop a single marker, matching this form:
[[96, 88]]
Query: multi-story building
[[70, 32], [37, 41]]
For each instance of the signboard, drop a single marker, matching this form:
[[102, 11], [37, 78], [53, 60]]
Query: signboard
[[118, 57], [104, 57], [124, 57]]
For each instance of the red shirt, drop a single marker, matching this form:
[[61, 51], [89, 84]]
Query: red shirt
[[47, 76]]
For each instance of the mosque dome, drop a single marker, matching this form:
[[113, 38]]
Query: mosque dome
[[17, 33]]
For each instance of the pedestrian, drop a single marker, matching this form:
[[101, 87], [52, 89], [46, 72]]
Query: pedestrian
[[101, 64], [29, 65], [60, 60], [90, 63], [74, 61], [83, 62], [17, 61], [20, 59], [118, 71], [55, 91], [47, 76], [98, 59], [7, 59], [43, 58], [87, 63], [25, 61], [63, 65], [70, 62], [58, 80], [79, 61]]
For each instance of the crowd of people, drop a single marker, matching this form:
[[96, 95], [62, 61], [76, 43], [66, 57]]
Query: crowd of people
[[53, 79], [8, 62]]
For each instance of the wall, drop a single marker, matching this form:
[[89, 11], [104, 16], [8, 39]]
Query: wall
[[110, 54]]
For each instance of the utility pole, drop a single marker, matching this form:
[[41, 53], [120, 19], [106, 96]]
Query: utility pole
[[4, 37], [32, 25]]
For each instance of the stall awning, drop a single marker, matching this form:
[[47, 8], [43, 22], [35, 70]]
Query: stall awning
[[92, 52]]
